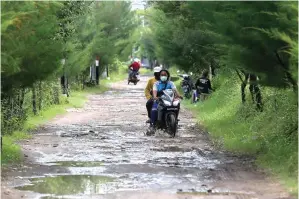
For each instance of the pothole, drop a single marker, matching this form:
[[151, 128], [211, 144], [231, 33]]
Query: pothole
[[68, 184]]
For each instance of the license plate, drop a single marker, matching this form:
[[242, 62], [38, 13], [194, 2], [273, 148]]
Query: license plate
[[172, 109]]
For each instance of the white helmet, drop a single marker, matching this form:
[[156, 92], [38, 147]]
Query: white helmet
[[136, 60], [157, 69]]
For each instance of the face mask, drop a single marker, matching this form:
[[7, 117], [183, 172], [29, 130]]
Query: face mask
[[163, 78]]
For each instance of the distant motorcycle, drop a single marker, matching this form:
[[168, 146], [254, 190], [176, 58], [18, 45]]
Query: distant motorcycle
[[134, 77], [170, 109], [186, 85]]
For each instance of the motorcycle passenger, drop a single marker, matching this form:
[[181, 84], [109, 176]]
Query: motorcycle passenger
[[203, 84], [158, 88], [148, 91], [134, 68]]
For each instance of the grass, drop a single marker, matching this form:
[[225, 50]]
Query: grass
[[271, 136], [76, 100], [145, 71], [11, 151]]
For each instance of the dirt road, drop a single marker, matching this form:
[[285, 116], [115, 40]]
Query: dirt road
[[100, 151]]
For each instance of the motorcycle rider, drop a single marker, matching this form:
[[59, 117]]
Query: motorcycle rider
[[163, 84], [134, 67], [203, 84], [187, 81], [148, 91]]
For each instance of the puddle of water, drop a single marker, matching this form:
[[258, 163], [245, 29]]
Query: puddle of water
[[76, 164], [68, 184]]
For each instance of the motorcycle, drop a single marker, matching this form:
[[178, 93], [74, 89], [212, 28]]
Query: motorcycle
[[186, 85], [134, 78], [170, 107]]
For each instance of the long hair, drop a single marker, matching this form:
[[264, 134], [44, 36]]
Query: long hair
[[168, 74]]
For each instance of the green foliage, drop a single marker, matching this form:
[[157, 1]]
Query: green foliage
[[259, 37], [37, 35], [101, 33], [11, 152], [270, 135], [28, 38]]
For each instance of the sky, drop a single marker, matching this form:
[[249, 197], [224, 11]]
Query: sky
[[137, 4]]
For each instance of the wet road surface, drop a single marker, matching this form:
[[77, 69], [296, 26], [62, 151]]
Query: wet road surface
[[100, 151]]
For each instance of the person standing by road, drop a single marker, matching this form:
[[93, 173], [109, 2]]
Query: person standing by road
[[203, 85]]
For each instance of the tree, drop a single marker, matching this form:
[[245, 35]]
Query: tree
[[259, 37]]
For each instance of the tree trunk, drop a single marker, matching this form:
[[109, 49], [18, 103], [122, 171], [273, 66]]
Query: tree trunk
[[19, 97], [98, 75], [213, 67], [107, 70], [82, 81], [78, 81], [288, 74], [56, 93], [210, 73], [40, 95], [22, 97], [256, 96], [34, 100], [243, 86]]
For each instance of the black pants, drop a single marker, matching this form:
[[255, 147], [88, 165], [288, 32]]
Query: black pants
[[149, 105]]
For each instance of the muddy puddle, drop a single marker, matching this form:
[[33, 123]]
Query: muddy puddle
[[68, 185]]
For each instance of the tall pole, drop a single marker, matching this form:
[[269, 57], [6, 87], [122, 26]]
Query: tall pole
[[97, 70]]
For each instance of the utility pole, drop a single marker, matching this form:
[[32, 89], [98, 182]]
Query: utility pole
[[97, 70]]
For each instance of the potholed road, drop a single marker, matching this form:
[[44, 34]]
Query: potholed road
[[100, 151]]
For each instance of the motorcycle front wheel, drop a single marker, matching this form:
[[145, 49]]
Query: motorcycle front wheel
[[171, 124]]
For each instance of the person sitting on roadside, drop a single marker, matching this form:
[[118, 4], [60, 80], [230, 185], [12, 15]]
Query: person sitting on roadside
[[203, 85], [148, 91]]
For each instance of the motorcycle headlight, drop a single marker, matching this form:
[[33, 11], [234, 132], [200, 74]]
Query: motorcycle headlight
[[167, 103]]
